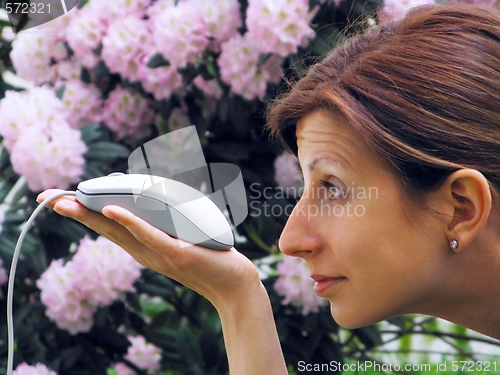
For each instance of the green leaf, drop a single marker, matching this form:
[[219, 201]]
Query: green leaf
[[4, 23], [85, 75], [155, 290], [262, 59], [188, 74], [398, 321], [101, 69], [369, 335], [98, 50], [157, 60], [60, 91], [188, 347], [107, 151], [92, 170], [14, 218], [91, 133]]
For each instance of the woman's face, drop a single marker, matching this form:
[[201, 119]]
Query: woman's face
[[369, 259]]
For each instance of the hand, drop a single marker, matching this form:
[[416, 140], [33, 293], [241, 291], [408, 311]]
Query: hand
[[220, 276]]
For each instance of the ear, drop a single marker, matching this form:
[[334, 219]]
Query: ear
[[467, 204]]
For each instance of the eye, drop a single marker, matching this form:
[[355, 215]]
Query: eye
[[334, 192]]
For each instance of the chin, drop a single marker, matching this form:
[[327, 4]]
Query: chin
[[349, 320]]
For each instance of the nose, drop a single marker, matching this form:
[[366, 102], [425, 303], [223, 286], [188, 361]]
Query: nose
[[299, 237]]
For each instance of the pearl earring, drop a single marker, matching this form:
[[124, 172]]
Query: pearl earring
[[454, 244]]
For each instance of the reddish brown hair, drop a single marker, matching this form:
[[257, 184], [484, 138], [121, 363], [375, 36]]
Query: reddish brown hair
[[423, 93]]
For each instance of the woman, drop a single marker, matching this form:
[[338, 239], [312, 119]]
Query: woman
[[398, 136]]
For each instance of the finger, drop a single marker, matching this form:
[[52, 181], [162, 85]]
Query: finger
[[93, 220], [46, 194], [145, 233]]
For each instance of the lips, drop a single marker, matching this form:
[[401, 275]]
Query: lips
[[323, 284]]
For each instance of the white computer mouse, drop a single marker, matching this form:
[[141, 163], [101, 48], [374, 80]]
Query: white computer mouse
[[171, 206]]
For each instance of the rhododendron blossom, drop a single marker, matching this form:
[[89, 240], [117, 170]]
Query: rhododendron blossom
[[73, 291], [43, 146], [222, 17], [126, 42], [3, 274], [38, 369], [128, 113], [295, 284], [144, 355], [34, 56], [287, 173], [180, 33], [239, 68], [85, 34], [396, 9], [161, 81], [279, 26], [83, 102]]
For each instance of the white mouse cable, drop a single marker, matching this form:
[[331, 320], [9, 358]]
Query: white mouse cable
[[12, 275]]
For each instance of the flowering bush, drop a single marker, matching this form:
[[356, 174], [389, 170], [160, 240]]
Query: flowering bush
[[142, 354], [296, 286], [72, 292], [38, 369], [43, 146], [103, 80]]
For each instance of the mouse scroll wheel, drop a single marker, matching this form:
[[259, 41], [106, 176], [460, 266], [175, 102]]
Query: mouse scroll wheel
[[116, 174]]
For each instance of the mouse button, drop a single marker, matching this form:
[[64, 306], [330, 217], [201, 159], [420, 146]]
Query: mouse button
[[149, 204], [170, 191], [126, 184], [226, 239], [205, 215]]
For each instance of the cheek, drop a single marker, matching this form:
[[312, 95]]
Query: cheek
[[386, 263]]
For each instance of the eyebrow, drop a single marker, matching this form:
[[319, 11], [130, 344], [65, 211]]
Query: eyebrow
[[313, 164]]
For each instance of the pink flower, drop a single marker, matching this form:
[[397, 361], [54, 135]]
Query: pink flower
[[127, 41], [43, 146], [99, 278], [222, 17], [159, 6], [239, 68], [485, 3], [123, 369], [33, 55], [287, 174], [128, 113], [68, 69], [178, 119], [49, 159], [38, 369], [83, 103], [180, 33], [84, 35], [144, 355], [296, 286], [161, 81], [73, 291], [279, 26], [210, 88], [65, 304], [397, 9], [3, 273], [110, 11]]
